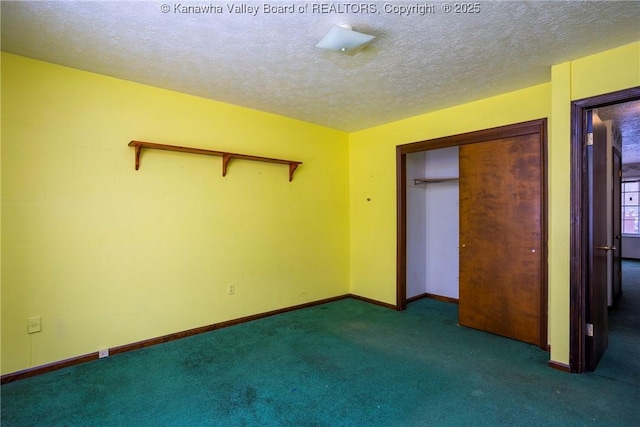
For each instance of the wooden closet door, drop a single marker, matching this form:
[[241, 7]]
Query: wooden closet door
[[501, 238]]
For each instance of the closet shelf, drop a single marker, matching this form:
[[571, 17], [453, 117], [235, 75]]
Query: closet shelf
[[226, 156], [433, 180]]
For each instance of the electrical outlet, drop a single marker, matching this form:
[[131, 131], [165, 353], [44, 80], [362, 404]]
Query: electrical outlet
[[231, 289], [103, 352], [34, 324]]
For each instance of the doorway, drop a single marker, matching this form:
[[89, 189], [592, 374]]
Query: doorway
[[589, 303], [508, 299]]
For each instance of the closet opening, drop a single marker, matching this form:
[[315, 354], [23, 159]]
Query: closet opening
[[472, 227], [432, 224]]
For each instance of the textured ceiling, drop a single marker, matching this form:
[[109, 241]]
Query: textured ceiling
[[268, 61], [626, 117]]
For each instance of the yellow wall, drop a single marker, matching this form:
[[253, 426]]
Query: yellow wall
[[107, 255], [606, 72], [559, 196]]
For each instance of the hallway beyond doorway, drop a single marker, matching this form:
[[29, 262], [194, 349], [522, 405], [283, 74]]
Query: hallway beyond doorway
[[622, 358]]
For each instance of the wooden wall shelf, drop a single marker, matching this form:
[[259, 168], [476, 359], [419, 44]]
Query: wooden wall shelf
[[226, 157]]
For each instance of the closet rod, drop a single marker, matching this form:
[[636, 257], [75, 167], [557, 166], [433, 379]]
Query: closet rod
[[433, 180]]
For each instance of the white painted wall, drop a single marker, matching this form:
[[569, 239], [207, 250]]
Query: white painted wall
[[432, 224], [416, 226], [443, 225], [631, 247]]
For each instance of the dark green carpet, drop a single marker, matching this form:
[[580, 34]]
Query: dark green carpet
[[346, 363], [622, 359]]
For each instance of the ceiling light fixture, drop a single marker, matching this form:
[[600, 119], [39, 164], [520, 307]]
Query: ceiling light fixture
[[342, 38]]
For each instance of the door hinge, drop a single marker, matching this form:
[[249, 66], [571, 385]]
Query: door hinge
[[619, 173], [589, 329], [590, 138]]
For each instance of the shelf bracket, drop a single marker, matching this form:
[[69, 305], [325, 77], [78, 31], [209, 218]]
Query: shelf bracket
[[225, 161], [292, 168], [138, 151]]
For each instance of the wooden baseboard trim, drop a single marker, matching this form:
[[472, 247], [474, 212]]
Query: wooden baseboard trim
[[195, 331], [373, 301], [559, 366], [54, 366], [49, 367], [433, 296]]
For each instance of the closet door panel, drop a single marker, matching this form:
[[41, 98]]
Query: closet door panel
[[501, 238]]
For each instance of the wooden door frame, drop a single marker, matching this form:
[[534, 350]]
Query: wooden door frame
[[509, 131], [580, 221]]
